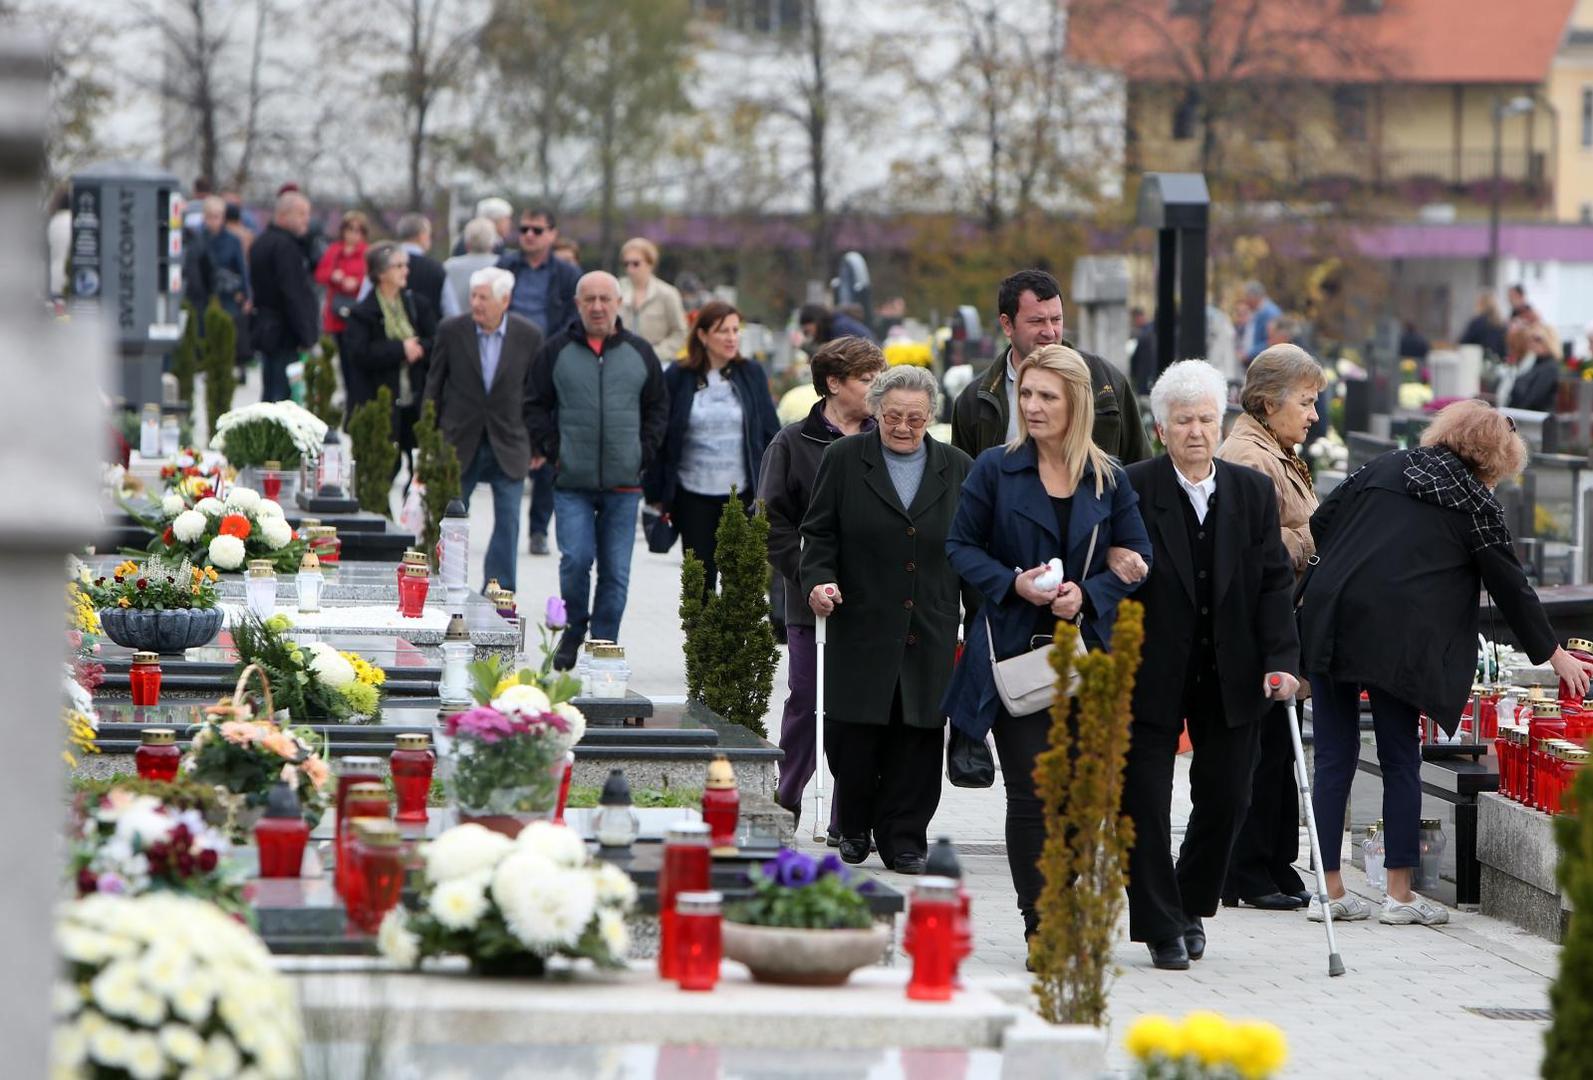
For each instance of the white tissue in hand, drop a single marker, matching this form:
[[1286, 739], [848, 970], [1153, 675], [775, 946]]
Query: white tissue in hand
[[1052, 578]]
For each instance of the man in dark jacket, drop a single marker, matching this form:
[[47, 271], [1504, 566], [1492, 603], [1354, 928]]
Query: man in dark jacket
[[597, 414], [285, 321], [820, 325], [481, 381], [1219, 626], [544, 293], [1030, 306], [426, 274]]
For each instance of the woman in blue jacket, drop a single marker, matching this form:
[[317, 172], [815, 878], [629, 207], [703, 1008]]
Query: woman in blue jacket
[[1049, 493], [721, 419]]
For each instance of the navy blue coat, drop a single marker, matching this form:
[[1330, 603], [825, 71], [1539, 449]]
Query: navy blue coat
[[1004, 523], [759, 426]]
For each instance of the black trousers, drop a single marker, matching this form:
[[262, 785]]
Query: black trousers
[[1162, 898], [1019, 741], [1269, 840], [697, 518], [887, 780]]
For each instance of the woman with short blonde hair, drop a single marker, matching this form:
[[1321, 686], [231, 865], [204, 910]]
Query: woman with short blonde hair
[[650, 306]]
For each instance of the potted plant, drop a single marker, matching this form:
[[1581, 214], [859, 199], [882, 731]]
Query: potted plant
[[508, 905], [268, 431], [312, 682], [161, 606], [805, 924]]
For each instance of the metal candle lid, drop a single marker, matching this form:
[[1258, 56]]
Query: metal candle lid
[[262, 568], [414, 558], [146, 658], [306, 524], [608, 652], [414, 741], [590, 644], [457, 630], [687, 832], [378, 832], [616, 789], [417, 570], [367, 789], [274, 466], [1545, 710], [1580, 645], [310, 564], [157, 736], [320, 532], [1539, 693], [720, 775], [1431, 824]]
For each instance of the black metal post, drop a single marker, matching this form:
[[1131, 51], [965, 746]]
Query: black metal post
[[1192, 294], [1166, 297]]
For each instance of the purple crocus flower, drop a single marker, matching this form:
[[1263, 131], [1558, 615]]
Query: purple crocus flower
[[555, 616]]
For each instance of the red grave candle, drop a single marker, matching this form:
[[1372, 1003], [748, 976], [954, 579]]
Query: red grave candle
[[412, 589], [1581, 649], [157, 755], [412, 764], [378, 878], [721, 804], [698, 943], [271, 480], [144, 679], [686, 869], [564, 787], [365, 800], [932, 928]]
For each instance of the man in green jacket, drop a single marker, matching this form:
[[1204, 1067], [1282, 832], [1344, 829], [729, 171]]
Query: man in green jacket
[[1030, 306]]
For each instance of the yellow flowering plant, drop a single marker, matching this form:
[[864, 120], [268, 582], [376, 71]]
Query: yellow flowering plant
[[312, 682], [1205, 1046], [157, 585]]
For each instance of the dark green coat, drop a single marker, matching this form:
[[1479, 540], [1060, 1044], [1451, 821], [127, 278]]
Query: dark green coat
[[899, 612]]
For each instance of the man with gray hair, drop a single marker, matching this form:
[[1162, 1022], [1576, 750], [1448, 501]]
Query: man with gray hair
[[285, 317], [1262, 311], [478, 237], [598, 415], [498, 211], [426, 274], [481, 381], [1219, 628]]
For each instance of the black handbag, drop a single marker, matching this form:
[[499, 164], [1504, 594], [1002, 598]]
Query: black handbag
[[660, 531], [969, 763], [343, 305]]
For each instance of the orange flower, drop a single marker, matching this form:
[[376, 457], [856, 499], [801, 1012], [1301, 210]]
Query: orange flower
[[317, 771], [235, 525], [239, 733], [281, 744]]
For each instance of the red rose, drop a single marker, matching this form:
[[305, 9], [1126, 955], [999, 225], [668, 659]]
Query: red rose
[[207, 860], [235, 525]]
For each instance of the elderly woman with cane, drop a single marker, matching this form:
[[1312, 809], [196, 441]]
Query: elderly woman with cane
[[874, 565], [1404, 547], [1050, 493]]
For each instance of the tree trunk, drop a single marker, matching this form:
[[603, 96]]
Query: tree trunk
[[818, 133], [417, 102], [205, 96]]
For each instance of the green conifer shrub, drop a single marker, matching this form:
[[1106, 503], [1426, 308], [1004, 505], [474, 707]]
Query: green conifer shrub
[[320, 381], [375, 453], [221, 338], [437, 469], [1568, 1044], [185, 357]]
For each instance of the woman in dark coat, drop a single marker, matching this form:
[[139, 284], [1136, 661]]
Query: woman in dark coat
[[874, 564], [1404, 546], [721, 419], [388, 341], [1042, 496]]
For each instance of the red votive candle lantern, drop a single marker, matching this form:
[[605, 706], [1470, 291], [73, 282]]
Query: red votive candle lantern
[[378, 878], [1581, 649], [144, 679], [271, 480], [157, 755], [323, 540], [364, 800], [281, 834], [412, 589], [412, 764], [721, 805], [931, 939], [564, 787], [698, 943], [685, 869], [1546, 724]]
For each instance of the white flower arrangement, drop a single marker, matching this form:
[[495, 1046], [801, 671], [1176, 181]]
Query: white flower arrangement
[[1328, 452], [275, 531], [131, 844], [166, 985], [330, 666], [190, 525], [226, 552], [225, 533], [303, 428], [172, 504], [242, 498]]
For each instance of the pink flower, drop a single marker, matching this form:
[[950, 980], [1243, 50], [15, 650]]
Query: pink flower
[[239, 732]]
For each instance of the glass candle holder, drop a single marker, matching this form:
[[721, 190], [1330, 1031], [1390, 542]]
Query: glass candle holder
[[698, 943], [685, 869], [610, 673], [412, 763], [931, 939], [323, 540], [271, 480], [281, 842], [260, 589], [378, 872], [1581, 649], [149, 432], [564, 787], [453, 562], [157, 756], [351, 771], [365, 800], [143, 679], [457, 653], [721, 805], [412, 588], [311, 583], [615, 825], [170, 437]]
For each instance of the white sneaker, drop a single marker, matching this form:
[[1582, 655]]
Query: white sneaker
[[1346, 908], [1419, 909]]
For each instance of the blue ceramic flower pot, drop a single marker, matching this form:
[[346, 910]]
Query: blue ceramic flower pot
[[169, 631]]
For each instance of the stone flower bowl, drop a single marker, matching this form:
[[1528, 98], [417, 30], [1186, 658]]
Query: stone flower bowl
[[169, 631], [795, 957]]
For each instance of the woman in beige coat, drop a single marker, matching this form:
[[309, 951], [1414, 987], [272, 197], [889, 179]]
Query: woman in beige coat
[[1279, 400], [651, 306]]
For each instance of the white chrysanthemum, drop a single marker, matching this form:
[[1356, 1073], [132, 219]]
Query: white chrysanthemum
[[221, 1057], [165, 969], [115, 989], [242, 498], [459, 904], [149, 1009], [522, 698], [616, 938], [544, 907], [65, 999], [330, 666], [274, 1060], [172, 504], [210, 506], [394, 940], [193, 1001], [69, 1047], [180, 1043], [189, 526], [614, 886], [576, 718], [227, 552], [108, 1045], [557, 844], [268, 508], [276, 532], [144, 1058], [464, 850]]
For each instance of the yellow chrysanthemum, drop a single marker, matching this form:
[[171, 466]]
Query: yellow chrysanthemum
[[1209, 1037], [504, 684], [1260, 1049], [1154, 1034]]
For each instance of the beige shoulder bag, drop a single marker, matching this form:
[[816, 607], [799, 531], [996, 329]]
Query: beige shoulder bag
[[1026, 683]]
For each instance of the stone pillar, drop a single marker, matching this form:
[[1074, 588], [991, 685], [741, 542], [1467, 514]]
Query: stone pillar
[[52, 428]]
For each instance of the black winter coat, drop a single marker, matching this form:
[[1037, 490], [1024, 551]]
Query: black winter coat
[[286, 315], [897, 621], [1393, 601], [374, 360], [759, 425]]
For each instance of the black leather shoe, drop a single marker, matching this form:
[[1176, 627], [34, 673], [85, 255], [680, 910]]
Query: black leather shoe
[[832, 838], [908, 862], [1230, 901], [1170, 955], [1195, 938], [1275, 901], [539, 544], [1304, 896], [569, 648], [854, 849]]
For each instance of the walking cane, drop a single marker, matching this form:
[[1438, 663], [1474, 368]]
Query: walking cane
[[1301, 777], [820, 820]]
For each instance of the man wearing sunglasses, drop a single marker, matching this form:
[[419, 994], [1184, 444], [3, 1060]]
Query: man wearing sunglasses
[[544, 294]]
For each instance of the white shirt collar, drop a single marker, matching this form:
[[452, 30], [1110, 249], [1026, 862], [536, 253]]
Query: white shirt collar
[[1199, 493]]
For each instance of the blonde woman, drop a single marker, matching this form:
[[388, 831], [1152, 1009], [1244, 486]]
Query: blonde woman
[[1047, 494], [650, 306]]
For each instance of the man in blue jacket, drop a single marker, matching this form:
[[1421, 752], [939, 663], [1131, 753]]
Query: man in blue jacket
[[597, 414]]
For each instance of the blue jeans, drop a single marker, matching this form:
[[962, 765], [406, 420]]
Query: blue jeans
[[600, 526], [541, 512], [502, 548], [1336, 727]]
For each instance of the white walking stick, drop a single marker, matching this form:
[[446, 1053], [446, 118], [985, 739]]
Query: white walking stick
[[820, 820], [1301, 777]]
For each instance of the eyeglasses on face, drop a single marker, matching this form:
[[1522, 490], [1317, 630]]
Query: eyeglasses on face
[[534, 230], [630, 263], [912, 420]]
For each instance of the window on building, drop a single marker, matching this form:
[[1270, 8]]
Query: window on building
[[1351, 105], [1587, 116], [1186, 116], [753, 16], [1189, 7]]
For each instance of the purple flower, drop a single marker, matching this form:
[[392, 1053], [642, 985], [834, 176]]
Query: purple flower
[[111, 883], [555, 615], [832, 864], [792, 869]]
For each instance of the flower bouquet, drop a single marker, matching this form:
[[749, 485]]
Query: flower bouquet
[[508, 905], [806, 922], [225, 533], [278, 431], [165, 985], [131, 844], [82, 723], [187, 479], [313, 681], [1205, 1045], [161, 606], [83, 629]]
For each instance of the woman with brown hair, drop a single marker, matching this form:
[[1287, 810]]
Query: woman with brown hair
[[1404, 546], [721, 419]]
